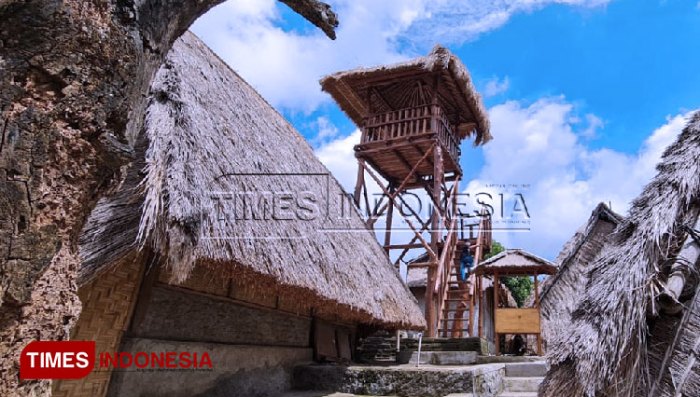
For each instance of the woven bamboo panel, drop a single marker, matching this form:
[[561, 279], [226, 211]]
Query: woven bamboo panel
[[107, 305]]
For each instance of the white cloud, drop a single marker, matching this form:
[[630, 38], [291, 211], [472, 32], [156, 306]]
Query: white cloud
[[496, 86], [543, 145], [285, 66], [339, 157], [326, 131], [458, 21]]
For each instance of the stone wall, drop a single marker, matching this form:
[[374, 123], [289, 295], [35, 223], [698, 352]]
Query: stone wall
[[172, 314], [237, 371], [253, 347]]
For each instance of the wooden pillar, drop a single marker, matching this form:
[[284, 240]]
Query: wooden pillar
[[389, 218], [359, 183], [481, 306], [537, 305], [471, 307], [430, 297], [497, 339]]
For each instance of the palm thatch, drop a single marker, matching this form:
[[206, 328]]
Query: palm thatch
[[350, 90], [210, 136], [559, 293], [618, 342], [513, 261]]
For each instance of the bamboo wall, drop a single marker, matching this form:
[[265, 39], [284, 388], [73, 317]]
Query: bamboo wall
[[107, 304]]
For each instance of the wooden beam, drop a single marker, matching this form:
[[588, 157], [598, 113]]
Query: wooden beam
[[382, 100], [389, 219], [403, 184], [359, 183], [497, 341], [428, 248], [405, 162]]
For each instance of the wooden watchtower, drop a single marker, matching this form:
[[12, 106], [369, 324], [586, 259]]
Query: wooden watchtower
[[414, 117]]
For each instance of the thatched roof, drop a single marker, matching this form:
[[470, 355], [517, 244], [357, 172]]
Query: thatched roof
[[349, 89], [210, 136], [515, 261], [617, 342], [559, 292]]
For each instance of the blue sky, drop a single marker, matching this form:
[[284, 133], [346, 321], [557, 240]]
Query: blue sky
[[583, 95]]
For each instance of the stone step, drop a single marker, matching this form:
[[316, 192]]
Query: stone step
[[518, 394], [449, 344], [508, 359], [523, 370], [294, 393], [522, 384], [403, 380], [444, 358]]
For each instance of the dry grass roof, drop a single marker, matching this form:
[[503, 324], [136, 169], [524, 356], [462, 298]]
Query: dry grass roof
[[209, 135], [515, 261], [349, 89], [617, 343], [559, 293]]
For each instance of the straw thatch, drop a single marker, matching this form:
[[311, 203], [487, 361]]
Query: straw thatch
[[515, 261], [208, 136], [559, 293], [617, 343], [349, 89]]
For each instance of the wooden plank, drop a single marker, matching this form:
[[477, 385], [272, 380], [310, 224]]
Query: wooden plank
[[518, 321], [324, 341], [343, 337]]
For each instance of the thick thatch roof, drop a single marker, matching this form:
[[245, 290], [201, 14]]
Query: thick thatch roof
[[515, 261], [559, 292], [618, 343], [210, 139], [349, 89]]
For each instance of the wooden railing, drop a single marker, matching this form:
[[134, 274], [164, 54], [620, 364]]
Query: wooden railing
[[445, 264], [446, 135], [411, 121], [397, 124]]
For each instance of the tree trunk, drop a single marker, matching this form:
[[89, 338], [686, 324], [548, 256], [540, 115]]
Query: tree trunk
[[74, 75]]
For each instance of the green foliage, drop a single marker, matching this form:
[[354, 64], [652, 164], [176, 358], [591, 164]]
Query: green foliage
[[520, 287], [496, 248]]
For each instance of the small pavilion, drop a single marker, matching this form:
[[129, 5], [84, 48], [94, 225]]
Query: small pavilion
[[525, 320]]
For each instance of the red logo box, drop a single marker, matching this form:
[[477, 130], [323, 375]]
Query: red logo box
[[57, 360]]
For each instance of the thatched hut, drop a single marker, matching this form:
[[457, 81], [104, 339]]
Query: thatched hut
[[558, 293], [635, 328], [174, 261]]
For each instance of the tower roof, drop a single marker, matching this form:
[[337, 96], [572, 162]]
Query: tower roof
[[392, 87]]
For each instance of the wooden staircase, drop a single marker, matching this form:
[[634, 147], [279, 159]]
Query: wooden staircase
[[456, 296]]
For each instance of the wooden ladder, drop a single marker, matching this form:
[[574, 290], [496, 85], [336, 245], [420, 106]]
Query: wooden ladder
[[456, 296]]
